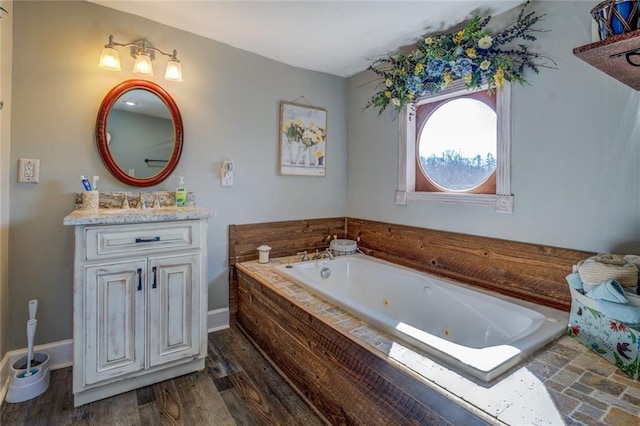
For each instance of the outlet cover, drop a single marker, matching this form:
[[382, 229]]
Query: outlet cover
[[28, 170]]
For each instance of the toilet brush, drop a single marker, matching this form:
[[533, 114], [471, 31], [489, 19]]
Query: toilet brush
[[33, 309], [30, 375], [31, 332]]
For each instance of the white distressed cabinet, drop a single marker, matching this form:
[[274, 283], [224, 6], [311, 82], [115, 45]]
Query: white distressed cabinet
[[140, 305]]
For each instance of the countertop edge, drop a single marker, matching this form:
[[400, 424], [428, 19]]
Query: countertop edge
[[106, 217]]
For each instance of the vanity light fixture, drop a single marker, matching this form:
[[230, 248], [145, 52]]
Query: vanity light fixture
[[144, 53]]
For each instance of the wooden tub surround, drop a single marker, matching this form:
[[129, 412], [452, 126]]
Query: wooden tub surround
[[340, 376], [285, 239], [353, 373], [531, 272]]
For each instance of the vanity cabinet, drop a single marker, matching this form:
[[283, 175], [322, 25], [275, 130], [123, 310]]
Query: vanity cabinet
[[140, 305]]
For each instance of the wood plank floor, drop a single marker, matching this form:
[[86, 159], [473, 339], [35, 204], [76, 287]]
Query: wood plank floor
[[237, 387]]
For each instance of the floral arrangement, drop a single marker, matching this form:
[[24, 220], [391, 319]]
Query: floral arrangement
[[293, 129], [311, 135], [304, 142], [471, 54]]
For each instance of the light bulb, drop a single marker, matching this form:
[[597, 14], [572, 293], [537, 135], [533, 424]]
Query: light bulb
[[109, 59], [174, 70], [143, 65]]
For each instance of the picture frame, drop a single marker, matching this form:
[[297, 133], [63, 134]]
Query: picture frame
[[302, 140]]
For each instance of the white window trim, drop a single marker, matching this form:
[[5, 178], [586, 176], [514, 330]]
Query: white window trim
[[502, 201]]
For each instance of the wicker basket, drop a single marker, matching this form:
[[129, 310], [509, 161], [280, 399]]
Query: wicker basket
[[615, 17], [343, 247], [604, 267]]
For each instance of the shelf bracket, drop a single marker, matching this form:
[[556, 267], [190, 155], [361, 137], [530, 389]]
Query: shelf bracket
[[628, 55]]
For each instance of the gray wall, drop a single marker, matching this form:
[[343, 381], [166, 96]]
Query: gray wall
[[574, 162], [229, 102]]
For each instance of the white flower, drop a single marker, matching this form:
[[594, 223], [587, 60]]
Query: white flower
[[485, 42], [395, 102], [484, 65], [388, 82]]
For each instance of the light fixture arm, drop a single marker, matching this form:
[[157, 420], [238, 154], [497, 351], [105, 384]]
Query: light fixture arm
[[173, 56], [141, 46]]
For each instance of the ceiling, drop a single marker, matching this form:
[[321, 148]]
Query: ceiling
[[337, 37], [141, 101]]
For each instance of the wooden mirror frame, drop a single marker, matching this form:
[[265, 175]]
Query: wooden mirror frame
[[101, 132]]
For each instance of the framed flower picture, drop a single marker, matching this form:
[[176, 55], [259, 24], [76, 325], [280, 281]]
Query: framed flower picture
[[302, 140]]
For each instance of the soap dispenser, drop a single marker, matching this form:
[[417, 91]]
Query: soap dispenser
[[181, 194]]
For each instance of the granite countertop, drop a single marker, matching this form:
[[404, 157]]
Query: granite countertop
[[105, 216]]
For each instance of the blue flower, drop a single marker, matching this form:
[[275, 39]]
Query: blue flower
[[435, 68], [414, 84], [462, 66]]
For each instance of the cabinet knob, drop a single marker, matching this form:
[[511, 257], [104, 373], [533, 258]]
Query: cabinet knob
[[139, 279], [154, 277]]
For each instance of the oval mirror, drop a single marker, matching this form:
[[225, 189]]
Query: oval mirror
[[139, 133]]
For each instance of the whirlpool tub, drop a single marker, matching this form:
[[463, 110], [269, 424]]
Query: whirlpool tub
[[477, 333]]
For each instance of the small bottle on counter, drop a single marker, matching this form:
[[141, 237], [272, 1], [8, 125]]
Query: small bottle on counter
[[181, 194]]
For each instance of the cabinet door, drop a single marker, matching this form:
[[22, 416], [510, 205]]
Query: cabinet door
[[115, 320], [174, 308]]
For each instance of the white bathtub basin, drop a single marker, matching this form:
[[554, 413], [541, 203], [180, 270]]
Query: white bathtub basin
[[477, 333]]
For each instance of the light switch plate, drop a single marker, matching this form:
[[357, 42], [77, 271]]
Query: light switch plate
[[226, 173], [28, 170]]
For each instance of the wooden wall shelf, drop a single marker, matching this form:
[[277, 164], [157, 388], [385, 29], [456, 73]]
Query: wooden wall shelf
[[608, 56]]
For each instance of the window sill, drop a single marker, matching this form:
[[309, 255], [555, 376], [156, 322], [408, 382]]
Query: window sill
[[501, 203]]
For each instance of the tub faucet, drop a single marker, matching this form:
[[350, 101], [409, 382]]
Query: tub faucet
[[304, 256], [325, 253]]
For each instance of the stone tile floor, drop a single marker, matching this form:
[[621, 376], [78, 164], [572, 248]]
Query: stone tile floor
[[564, 383]]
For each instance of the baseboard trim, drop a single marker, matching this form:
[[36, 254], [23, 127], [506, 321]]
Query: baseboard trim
[[217, 319], [4, 378], [61, 352]]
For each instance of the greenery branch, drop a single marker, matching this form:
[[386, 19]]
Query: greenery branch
[[472, 54]]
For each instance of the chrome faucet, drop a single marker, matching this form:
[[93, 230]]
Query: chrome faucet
[[304, 256], [325, 253]]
